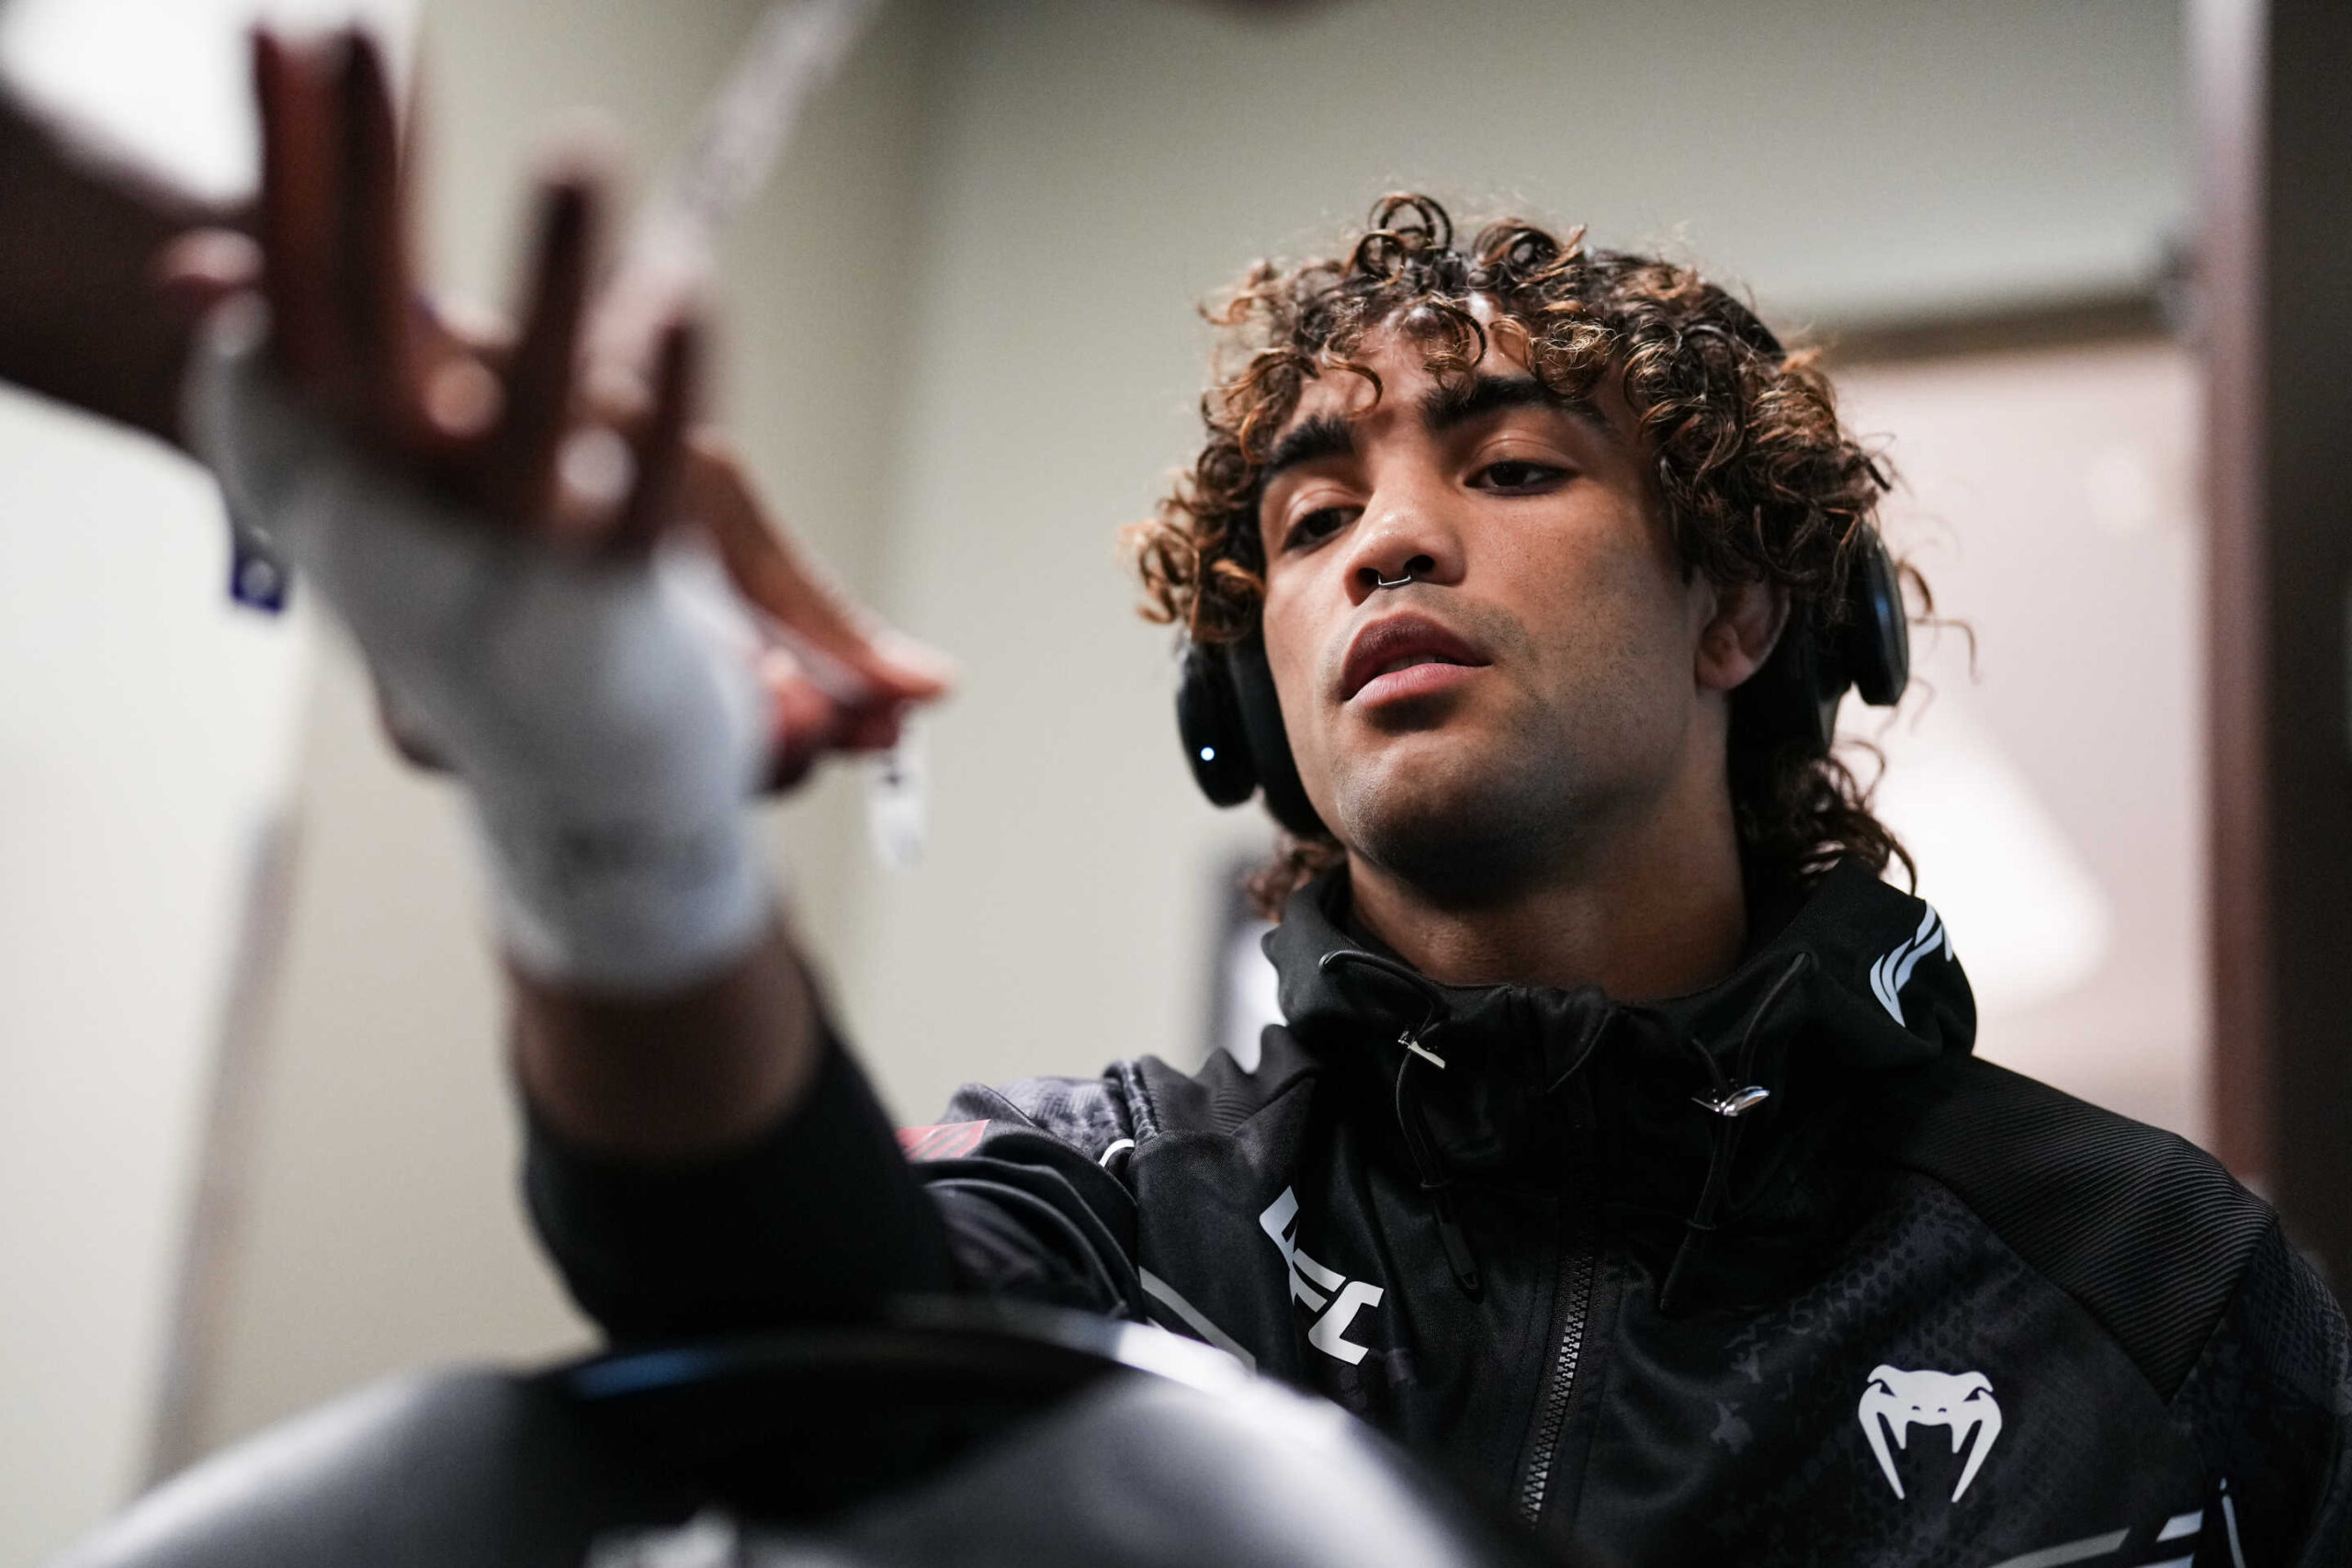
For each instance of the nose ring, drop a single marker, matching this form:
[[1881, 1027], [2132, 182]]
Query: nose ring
[[1380, 581]]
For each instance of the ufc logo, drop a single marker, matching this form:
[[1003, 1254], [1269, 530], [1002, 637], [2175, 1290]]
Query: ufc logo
[[1335, 1298]]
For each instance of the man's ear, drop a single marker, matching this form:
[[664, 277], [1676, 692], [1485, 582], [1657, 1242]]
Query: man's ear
[[1748, 621]]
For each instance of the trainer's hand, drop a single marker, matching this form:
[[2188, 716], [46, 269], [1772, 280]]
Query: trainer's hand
[[80, 235], [517, 430]]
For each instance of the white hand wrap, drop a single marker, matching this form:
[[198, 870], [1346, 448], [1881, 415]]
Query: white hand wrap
[[604, 714]]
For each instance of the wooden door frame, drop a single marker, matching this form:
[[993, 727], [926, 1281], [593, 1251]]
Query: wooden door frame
[[2275, 328]]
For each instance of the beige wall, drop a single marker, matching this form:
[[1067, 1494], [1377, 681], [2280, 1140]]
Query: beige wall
[[962, 353], [147, 735]]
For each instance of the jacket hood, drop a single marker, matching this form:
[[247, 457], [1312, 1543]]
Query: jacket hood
[[1681, 1116]]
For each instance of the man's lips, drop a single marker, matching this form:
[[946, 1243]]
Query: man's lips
[[1404, 653]]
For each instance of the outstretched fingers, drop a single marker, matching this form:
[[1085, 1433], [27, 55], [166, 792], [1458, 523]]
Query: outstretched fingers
[[542, 372], [373, 283], [661, 451], [298, 207]]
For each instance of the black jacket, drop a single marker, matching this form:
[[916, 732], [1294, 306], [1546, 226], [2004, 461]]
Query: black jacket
[[1773, 1273]]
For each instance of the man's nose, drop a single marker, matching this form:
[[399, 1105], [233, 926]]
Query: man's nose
[[1406, 540]]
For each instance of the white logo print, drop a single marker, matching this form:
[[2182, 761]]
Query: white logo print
[[1310, 1281], [1897, 1401], [1892, 972]]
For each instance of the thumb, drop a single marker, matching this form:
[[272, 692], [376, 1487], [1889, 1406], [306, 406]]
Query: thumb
[[775, 579]]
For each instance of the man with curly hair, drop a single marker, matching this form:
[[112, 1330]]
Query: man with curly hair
[[1622, 1152], [1735, 453]]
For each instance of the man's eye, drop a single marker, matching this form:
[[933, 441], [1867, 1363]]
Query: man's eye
[[1516, 474], [1319, 523]]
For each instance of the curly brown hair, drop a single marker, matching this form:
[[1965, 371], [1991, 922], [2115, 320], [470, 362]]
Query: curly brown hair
[[1760, 481]]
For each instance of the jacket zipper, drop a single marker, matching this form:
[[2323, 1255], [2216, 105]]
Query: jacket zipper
[[1575, 1294]]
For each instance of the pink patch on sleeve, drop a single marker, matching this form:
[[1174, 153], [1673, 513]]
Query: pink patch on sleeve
[[949, 1140]]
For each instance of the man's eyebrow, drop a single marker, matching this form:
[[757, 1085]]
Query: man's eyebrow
[[1456, 402], [1445, 407], [1311, 440]]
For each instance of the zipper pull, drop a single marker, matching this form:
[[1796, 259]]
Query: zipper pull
[[1736, 1104], [1411, 1041]]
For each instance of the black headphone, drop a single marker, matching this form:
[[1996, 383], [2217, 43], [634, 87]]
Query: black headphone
[[1231, 720]]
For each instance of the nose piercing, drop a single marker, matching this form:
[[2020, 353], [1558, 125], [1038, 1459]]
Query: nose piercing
[[1380, 581]]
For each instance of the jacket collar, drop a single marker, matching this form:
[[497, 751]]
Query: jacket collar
[[1533, 1085]]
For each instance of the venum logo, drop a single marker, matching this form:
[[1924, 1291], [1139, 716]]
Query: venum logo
[[1895, 1401], [1335, 1298]]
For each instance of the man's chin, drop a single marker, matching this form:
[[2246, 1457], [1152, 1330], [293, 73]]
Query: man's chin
[[1449, 835]]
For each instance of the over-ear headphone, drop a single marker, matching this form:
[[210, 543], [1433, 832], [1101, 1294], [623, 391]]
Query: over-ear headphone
[[1231, 720], [1794, 697]]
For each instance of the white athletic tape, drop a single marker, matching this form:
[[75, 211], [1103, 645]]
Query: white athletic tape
[[604, 713]]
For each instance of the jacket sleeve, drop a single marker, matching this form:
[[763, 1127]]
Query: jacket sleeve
[[2270, 1404], [1028, 1179], [819, 1218], [824, 1218]]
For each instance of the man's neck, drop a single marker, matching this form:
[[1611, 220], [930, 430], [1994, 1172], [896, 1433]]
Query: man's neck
[[1657, 912]]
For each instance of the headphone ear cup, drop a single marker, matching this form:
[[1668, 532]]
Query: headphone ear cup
[[1874, 645], [1262, 719], [1794, 697], [1209, 720]]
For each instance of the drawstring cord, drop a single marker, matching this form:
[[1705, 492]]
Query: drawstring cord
[[1438, 1185], [1436, 1181], [1728, 1104], [1729, 1098]]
